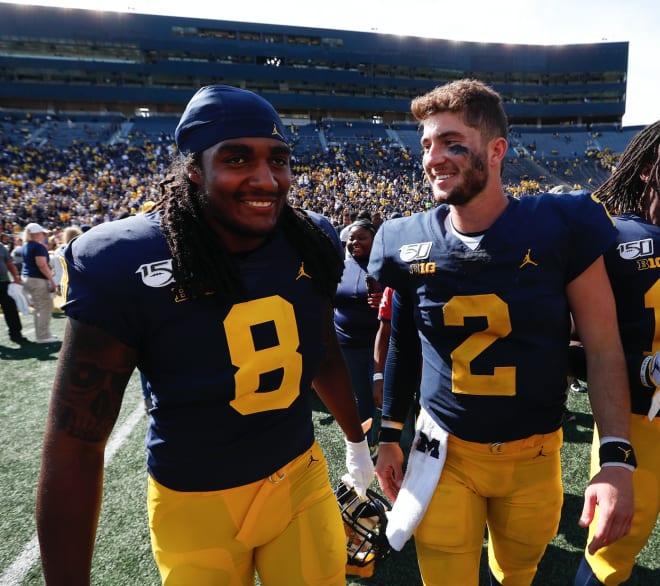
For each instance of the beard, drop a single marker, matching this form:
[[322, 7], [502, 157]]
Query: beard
[[473, 181]]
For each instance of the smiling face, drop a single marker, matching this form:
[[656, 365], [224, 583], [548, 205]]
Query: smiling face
[[359, 242], [455, 159], [245, 183]]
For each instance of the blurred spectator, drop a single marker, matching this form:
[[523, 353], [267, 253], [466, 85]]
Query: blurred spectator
[[57, 262], [349, 218], [38, 280], [356, 318], [17, 253], [7, 303]]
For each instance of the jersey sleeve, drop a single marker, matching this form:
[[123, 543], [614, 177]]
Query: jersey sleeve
[[100, 284], [404, 360], [592, 232]]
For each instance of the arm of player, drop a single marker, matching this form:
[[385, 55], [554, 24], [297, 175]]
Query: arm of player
[[333, 385], [592, 304], [402, 369], [92, 373], [644, 369], [381, 345]]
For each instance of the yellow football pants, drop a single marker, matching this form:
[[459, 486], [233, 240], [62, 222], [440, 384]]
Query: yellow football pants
[[286, 527], [514, 489]]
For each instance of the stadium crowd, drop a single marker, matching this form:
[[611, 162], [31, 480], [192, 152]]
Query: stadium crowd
[[95, 180], [88, 184]]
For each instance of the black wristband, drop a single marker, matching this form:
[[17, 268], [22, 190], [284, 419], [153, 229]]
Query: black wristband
[[617, 453], [389, 435]]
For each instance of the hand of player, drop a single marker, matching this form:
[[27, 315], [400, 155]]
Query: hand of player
[[612, 491], [360, 467], [389, 469]]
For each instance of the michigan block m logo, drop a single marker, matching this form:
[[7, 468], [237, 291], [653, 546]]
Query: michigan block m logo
[[432, 446]]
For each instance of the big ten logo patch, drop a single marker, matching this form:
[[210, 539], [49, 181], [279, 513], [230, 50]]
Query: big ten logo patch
[[423, 268]]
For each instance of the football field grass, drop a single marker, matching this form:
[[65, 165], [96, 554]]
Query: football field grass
[[122, 554]]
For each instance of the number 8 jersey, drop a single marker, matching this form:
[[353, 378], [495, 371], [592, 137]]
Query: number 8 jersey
[[493, 321], [230, 383]]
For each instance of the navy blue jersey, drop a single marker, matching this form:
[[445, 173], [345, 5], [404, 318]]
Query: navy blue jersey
[[231, 384], [356, 323], [631, 266], [493, 322]]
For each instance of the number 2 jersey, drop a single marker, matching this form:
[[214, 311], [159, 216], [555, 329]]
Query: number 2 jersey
[[230, 384], [493, 322], [633, 266]]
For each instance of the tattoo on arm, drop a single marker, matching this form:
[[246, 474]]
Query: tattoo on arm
[[89, 389]]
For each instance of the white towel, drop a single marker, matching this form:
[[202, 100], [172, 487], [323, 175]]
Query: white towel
[[655, 405], [425, 463], [16, 291]]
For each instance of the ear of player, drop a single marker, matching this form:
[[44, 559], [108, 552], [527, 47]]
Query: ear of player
[[365, 521]]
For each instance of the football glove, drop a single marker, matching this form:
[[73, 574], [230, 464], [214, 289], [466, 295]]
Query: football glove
[[360, 467]]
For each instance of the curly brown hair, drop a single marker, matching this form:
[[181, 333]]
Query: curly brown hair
[[479, 106]]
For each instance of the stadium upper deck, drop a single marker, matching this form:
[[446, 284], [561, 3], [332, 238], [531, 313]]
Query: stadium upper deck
[[64, 60]]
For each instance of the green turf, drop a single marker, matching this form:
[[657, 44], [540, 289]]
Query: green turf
[[122, 555]]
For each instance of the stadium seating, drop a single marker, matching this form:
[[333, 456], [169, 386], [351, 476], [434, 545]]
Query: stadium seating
[[104, 165]]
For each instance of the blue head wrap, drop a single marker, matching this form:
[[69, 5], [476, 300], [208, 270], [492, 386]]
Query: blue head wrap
[[220, 112]]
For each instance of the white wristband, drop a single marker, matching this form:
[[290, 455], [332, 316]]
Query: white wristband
[[377, 376], [645, 371]]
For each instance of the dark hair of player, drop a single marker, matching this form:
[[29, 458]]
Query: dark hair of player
[[624, 190], [201, 265]]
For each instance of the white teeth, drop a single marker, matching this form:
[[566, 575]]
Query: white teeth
[[259, 204]]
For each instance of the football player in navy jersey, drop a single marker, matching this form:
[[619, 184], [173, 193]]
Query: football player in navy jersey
[[633, 265], [222, 297], [489, 282]]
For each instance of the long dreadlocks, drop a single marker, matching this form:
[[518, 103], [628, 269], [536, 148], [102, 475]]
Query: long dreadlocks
[[625, 191], [201, 264]]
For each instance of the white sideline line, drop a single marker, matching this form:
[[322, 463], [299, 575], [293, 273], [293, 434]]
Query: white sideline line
[[19, 569]]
